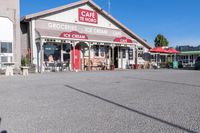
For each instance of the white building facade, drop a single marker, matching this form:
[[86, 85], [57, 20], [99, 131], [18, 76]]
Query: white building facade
[[9, 33], [80, 35]]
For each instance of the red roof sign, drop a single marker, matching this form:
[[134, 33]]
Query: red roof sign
[[123, 40], [87, 16]]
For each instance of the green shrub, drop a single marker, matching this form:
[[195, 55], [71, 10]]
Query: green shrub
[[25, 61], [180, 65], [169, 64]]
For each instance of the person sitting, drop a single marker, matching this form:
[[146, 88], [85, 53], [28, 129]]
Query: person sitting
[[50, 58]]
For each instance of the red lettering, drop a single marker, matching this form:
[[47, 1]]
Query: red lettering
[[123, 40]]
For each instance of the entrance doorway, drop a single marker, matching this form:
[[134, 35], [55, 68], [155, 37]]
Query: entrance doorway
[[123, 59], [116, 57], [66, 55]]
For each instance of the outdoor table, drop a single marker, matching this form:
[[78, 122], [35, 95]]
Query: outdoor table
[[52, 66], [9, 68]]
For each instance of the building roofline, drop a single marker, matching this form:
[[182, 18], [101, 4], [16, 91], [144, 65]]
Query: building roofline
[[95, 6], [189, 52]]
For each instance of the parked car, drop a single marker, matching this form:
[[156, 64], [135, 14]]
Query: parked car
[[197, 63]]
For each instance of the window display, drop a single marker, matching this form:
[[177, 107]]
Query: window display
[[96, 50], [52, 50], [102, 51], [6, 47]]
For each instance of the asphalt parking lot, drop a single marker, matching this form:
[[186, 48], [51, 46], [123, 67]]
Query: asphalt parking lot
[[143, 101]]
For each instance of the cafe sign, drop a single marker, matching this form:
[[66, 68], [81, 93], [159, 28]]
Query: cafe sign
[[87, 16], [123, 40], [74, 35]]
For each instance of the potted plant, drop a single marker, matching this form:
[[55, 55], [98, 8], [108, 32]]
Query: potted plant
[[136, 66], [112, 66], [25, 62]]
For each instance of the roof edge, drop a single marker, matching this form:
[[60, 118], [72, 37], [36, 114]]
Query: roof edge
[[131, 33], [49, 11], [95, 6]]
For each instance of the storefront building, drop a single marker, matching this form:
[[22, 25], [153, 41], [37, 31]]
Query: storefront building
[[188, 55], [9, 33], [80, 36]]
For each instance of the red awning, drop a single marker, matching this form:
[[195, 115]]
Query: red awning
[[172, 51], [158, 50]]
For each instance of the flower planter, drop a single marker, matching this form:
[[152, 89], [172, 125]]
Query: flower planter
[[136, 66], [24, 70], [112, 67]]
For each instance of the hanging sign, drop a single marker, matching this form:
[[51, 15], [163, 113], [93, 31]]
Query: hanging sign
[[87, 16], [74, 34], [123, 40]]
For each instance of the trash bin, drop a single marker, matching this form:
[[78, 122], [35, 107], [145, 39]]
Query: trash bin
[[175, 64]]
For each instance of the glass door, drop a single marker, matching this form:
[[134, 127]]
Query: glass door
[[66, 55]]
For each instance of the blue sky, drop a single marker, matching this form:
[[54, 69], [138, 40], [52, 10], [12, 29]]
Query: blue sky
[[178, 20]]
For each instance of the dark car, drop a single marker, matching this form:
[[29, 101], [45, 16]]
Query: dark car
[[197, 63]]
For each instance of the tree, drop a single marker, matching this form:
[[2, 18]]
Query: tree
[[161, 41]]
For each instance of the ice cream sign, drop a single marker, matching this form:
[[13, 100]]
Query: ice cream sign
[[87, 16], [74, 35]]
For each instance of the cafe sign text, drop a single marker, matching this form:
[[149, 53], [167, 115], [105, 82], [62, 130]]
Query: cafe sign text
[[87, 16]]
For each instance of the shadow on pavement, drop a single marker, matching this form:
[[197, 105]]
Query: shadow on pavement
[[4, 131], [170, 82], [132, 110]]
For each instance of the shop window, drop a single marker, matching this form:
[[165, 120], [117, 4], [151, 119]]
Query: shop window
[[140, 52], [6, 47], [52, 51], [102, 51], [6, 50], [85, 51], [67, 48], [130, 53], [96, 50], [107, 52], [124, 53]]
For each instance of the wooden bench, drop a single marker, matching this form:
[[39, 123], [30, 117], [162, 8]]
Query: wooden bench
[[94, 64]]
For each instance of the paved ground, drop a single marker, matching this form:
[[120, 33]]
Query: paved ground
[[146, 101]]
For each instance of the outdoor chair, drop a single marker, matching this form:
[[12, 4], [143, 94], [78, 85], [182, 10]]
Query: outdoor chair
[[88, 65]]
